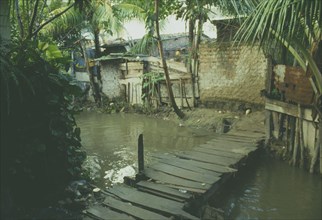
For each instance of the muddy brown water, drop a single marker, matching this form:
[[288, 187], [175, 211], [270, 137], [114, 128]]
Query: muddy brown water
[[111, 142], [268, 189]]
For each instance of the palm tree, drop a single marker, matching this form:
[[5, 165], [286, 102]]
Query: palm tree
[[99, 16], [297, 24], [164, 63]]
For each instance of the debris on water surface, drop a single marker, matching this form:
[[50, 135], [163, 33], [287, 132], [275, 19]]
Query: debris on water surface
[[96, 189]]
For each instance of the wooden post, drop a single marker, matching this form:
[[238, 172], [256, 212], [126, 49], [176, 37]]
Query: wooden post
[[268, 125], [316, 151], [287, 133], [296, 142], [140, 154], [320, 140], [276, 125], [129, 93], [292, 134], [268, 114], [181, 92], [301, 136]]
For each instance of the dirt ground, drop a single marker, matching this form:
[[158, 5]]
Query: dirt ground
[[219, 121]]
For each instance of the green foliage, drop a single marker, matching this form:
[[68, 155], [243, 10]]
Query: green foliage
[[296, 24], [150, 81], [40, 146]]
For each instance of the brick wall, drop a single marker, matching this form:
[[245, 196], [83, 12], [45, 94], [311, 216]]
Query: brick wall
[[231, 73]]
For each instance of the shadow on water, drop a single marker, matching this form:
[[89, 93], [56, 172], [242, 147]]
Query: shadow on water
[[271, 189]]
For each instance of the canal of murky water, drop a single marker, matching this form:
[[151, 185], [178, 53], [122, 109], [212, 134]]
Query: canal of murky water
[[268, 189], [111, 142]]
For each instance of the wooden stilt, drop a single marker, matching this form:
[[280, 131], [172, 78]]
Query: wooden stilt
[[268, 125], [301, 138], [292, 134], [276, 127], [316, 151], [287, 133], [181, 92], [296, 143]]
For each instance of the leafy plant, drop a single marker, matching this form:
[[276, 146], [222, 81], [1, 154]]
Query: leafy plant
[[150, 82], [40, 142]]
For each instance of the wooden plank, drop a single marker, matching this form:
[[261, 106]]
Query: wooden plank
[[219, 153], [150, 201], [183, 173], [104, 213], [213, 159], [164, 189], [235, 139], [236, 150], [159, 194], [169, 179], [207, 166], [130, 209], [230, 144], [249, 136], [287, 108], [184, 164]]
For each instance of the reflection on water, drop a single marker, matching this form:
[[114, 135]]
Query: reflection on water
[[272, 189], [112, 140], [269, 189]]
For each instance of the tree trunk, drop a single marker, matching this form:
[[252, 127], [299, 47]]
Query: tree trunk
[[99, 82], [4, 22], [164, 63], [97, 52], [196, 49], [92, 79], [189, 61]]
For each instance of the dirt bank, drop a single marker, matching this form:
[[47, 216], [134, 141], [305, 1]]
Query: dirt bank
[[218, 121]]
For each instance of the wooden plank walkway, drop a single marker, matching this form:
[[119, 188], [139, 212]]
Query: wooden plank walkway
[[175, 182]]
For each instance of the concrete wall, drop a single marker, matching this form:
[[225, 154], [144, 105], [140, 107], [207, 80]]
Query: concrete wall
[[111, 74], [233, 73]]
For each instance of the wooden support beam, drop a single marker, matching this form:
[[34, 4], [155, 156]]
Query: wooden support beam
[[140, 154], [289, 109]]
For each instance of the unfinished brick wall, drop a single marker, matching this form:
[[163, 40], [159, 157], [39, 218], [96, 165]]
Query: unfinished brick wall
[[233, 73]]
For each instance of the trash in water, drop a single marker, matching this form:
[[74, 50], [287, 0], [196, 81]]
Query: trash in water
[[182, 190], [96, 189]]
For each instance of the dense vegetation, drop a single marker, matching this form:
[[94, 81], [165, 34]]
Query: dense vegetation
[[41, 152], [40, 143]]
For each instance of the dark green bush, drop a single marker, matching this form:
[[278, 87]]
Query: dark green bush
[[40, 142]]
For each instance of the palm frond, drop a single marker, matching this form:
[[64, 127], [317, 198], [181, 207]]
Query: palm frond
[[129, 11], [69, 20], [295, 23]]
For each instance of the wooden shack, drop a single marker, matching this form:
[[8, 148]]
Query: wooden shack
[[292, 119], [125, 77]]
